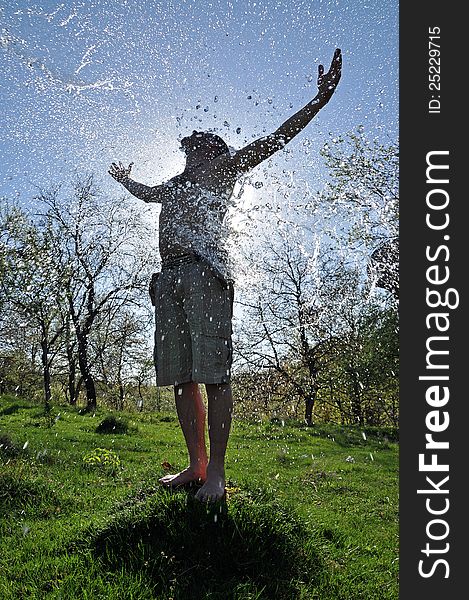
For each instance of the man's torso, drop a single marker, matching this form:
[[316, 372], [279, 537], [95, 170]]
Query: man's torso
[[193, 209]]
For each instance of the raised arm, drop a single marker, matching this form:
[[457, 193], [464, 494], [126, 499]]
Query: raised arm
[[261, 149], [139, 190]]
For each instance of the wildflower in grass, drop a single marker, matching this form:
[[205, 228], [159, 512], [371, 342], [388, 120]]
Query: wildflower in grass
[[104, 460]]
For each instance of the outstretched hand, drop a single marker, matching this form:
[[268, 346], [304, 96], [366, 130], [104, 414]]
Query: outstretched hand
[[327, 82], [119, 172]]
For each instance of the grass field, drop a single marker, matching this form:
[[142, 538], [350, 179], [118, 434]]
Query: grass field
[[311, 513]]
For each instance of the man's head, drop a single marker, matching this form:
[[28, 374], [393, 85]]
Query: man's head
[[207, 145]]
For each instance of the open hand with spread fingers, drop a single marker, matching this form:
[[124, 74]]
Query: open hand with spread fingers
[[119, 172], [327, 82]]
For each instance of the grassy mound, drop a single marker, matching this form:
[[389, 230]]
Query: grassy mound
[[112, 424], [8, 448], [20, 492], [250, 547]]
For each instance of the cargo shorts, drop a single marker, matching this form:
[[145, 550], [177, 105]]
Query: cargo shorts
[[193, 325]]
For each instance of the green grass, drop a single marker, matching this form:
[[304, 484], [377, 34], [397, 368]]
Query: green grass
[[312, 513]]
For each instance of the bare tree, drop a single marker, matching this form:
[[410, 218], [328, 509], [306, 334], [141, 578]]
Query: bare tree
[[106, 258], [31, 284], [121, 349], [312, 333], [20, 354], [292, 320]]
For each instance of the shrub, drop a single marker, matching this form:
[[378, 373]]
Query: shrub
[[103, 460], [112, 424], [8, 447]]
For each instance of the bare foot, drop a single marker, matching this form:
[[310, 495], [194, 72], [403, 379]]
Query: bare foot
[[184, 477], [213, 489]]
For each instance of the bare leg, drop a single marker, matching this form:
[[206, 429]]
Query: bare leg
[[191, 414], [220, 407]]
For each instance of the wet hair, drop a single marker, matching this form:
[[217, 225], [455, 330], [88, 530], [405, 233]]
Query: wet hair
[[216, 141], [217, 145]]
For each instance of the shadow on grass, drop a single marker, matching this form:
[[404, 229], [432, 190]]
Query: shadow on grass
[[14, 408], [356, 435], [8, 447], [248, 547]]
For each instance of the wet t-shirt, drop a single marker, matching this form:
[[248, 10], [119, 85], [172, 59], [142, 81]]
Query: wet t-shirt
[[193, 209], [192, 221]]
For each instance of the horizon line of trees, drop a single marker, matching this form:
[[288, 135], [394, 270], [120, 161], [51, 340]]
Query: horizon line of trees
[[74, 278], [316, 339]]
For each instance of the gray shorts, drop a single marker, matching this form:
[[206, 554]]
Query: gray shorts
[[193, 314]]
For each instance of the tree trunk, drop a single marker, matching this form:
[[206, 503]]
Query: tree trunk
[[121, 395], [140, 402], [73, 387], [120, 383], [91, 403], [309, 407], [87, 377], [356, 401], [46, 372]]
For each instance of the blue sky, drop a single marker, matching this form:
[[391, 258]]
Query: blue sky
[[85, 83]]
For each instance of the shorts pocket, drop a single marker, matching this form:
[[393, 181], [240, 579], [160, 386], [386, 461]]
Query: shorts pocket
[[217, 358]]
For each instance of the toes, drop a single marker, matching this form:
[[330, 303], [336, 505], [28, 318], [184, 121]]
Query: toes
[[206, 499], [202, 496], [206, 496], [181, 480]]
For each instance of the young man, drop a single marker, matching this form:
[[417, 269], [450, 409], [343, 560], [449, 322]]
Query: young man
[[193, 295]]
